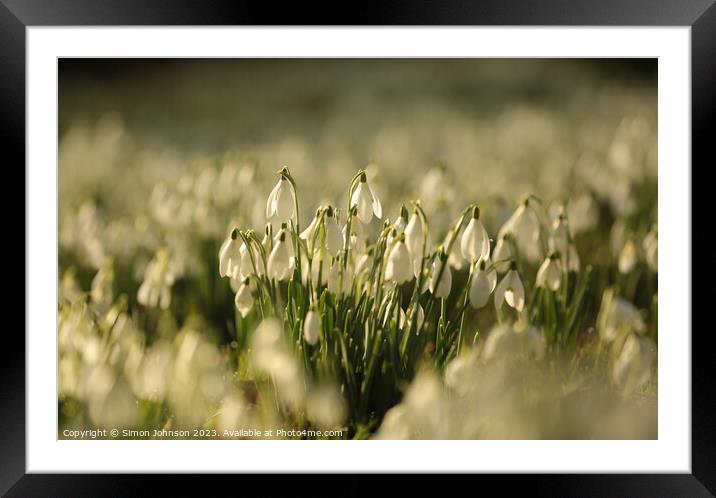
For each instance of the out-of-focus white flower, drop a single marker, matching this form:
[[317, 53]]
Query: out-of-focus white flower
[[511, 290], [280, 260], [415, 236], [311, 327], [632, 368], [509, 342], [502, 341], [651, 248], [461, 372], [101, 292], [325, 407], [442, 288], [628, 257], [583, 213], [550, 273], [523, 225], [574, 264], [244, 300], [358, 239], [617, 314], [502, 254], [281, 202], [158, 279], [482, 285], [339, 280], [230, 256], [475, 243], [366, 201], [559, 238], [399, 266]]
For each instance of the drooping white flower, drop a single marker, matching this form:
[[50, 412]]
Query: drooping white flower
[[399, 266], [583, 213], [510, 290], [309, 232], [482, 285], [632, 369], [320, 266], [475, 243], [358, 239], [550, 273], [523, 225], [339, 281], [311, 327], [366, 202], [334, 237], [502, 254], [440, 289], [280, 260], [616, 315], [230, 256], [560, 237], [574, 264], [651, 249], [415, 236], [158, 279], [244, 300], [281, 202], [628, 257]]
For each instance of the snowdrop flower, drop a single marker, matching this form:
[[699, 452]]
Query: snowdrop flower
[[583, 213], [523, 225], [158, 279], [358, 239], [334, 277], [617, 314], [334, 237], [510, 289], [230, 256], [244, 300], [651, 247], [503, 342], [560, 238], [280, 260], [627, 257], [415, 236], [441, 289], [101, 291], [632, 369], [366, 201], [281, 201], [475, 243], [550, 273], [320, 265], [311, 327], [309, 232], [573, 262], [482, 285], [502, 254], [399, 267]]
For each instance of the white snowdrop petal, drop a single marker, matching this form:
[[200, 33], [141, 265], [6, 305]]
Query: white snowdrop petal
[[271, 202]]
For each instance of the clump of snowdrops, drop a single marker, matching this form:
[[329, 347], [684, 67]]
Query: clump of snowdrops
[[374, 306]]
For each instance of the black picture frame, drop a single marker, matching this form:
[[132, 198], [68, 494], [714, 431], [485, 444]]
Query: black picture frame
[[700, 15]]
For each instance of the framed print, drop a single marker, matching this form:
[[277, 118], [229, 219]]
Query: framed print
[[331, 248]]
